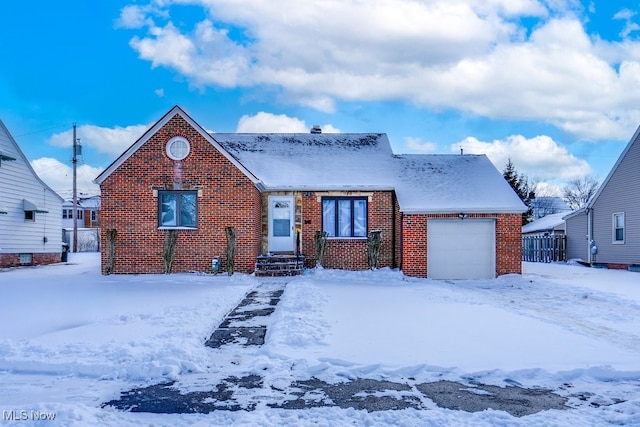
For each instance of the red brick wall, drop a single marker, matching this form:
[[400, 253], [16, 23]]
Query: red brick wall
[[509, 244], [350, 254], [415, 251], [13, 260], [414, 245], [227, 198]]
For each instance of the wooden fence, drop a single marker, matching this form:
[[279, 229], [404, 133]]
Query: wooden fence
[[548, 248]]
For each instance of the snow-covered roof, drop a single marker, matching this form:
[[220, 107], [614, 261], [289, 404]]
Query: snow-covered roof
[[423, 183], [84, 202], [354, 162], [432, 183], [543, 206], [546, 223], [305, 161]]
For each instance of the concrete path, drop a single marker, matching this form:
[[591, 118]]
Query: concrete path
[[247, 325]]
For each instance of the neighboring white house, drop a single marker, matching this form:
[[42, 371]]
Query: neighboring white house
[[549, 224], [607, 229], [87, 223], [87, 212], [30, 211]]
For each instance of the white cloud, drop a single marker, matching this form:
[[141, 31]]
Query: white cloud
[[445, 54], [133, 17], [271, 123], [627, 15], [104, 140], [540, 158], [159, 92], [59, 177], [418, 145]]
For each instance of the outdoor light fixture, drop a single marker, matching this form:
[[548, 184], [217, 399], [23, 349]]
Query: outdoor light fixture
[[462, 215]]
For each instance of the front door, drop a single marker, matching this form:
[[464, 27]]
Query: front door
[[281, 224]]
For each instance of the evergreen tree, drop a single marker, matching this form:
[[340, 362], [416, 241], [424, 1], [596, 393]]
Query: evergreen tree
[[524, 188]]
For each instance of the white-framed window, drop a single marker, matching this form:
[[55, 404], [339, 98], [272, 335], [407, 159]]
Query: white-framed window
[[178, 209], [68, 214], [618, 227], [94, 216], [178, 148], [344, 216]]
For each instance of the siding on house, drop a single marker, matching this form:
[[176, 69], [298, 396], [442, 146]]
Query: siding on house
[[619, 194], [41, 237], [576, 229]]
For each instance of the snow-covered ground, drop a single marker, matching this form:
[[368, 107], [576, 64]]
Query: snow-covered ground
[[71, 340]]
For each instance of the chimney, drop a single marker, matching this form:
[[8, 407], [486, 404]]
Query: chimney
[[316, 129]]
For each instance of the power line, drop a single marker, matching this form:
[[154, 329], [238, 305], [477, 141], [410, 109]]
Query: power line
[[42, 130]]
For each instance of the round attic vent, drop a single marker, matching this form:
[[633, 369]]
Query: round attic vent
[[178, 148]]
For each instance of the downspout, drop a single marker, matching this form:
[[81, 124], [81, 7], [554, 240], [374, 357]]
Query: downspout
[[394, 264], [589, 234], [401, 241]]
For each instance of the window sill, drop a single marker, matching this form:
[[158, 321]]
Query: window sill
[[177, 228], [346, 238]]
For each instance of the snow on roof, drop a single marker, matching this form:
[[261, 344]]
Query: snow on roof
[[555, 203], [313, 161], [423, 183], [546, 223], [429, 183]]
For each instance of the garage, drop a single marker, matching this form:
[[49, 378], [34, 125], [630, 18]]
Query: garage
[[461, 249]]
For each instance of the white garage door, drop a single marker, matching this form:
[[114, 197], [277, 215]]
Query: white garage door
[[461, 249]]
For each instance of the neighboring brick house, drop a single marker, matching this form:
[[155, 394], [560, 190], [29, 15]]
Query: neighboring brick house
[[277, 190]]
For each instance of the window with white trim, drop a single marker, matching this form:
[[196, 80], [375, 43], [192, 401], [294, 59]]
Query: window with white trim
[[618, 227], [178, 209], [344, 216], [178, 148]]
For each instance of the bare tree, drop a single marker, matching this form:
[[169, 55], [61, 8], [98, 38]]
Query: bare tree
[[578, 191]]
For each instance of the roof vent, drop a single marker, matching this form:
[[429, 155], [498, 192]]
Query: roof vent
[[316, 129]]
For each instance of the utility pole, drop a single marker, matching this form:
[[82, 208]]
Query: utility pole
[[75, 191]]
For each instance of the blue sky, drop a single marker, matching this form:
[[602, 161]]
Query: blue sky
[[553, 84]]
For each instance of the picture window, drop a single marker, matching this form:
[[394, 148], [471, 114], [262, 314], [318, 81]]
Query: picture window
[[344, 216], [177, 209]]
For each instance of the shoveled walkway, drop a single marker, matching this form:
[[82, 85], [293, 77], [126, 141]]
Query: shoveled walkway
[[247, 323]]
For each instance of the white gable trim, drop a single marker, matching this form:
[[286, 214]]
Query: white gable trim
[[154, 129], [26, 161]]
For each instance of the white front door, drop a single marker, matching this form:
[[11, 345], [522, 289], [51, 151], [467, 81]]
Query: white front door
[[281, 224]]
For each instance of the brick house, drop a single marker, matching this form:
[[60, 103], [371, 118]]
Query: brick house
[[440, 216]]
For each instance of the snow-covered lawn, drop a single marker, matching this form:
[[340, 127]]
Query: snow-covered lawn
[[71, 340]]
